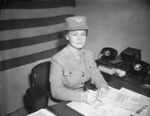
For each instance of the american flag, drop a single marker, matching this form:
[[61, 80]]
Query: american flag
[[31, 31]]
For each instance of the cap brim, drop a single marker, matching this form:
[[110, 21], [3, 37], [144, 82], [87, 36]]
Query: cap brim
[[86, 28]]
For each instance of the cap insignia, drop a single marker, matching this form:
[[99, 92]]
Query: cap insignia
[[78, 20]]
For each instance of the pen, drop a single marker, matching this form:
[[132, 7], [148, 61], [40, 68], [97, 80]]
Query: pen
[[141, 109], [100, 94]]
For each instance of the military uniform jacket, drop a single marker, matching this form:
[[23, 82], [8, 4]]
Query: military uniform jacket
[[67, 75]]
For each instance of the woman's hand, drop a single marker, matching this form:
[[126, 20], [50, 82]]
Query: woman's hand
[[89, 96], [102, 92]]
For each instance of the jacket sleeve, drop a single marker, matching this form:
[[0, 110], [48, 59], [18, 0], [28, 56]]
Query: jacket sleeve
[[58, 89], [97, 77]]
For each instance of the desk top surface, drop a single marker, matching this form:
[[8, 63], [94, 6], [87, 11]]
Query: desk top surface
[[61, 109]]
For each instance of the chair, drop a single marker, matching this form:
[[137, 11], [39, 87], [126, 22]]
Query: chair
[[37, 95]]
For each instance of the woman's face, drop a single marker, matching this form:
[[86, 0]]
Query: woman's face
[[77, 38]]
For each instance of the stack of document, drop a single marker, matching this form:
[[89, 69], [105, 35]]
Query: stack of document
[[121, 102], [106, 69], [42, 112]]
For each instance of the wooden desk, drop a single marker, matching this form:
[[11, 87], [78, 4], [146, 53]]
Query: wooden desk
[[128, 82], [137, 80], [61, 109]]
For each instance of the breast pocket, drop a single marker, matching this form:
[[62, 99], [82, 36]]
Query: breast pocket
[[68, 73], [71, 77], [91, 68]]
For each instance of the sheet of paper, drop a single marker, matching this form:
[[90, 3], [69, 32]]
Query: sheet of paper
[[122, 99], [98, 109], [91, 110], [143, 107], [121, 102], [42, 112]]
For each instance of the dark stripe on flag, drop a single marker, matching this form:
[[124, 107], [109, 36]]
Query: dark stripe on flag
[[10, 44], [31, 23], [19, 4], [20, 61]]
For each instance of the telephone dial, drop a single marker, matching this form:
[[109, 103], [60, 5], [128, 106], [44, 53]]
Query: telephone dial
[[108, 53], [139, 67]]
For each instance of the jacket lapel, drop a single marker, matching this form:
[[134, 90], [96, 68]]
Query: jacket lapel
[[71, 60]]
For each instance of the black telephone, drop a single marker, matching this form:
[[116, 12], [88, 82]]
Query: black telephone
[[139, 67], [108, 53]]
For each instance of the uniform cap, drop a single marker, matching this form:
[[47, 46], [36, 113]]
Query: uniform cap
[[75, 23]]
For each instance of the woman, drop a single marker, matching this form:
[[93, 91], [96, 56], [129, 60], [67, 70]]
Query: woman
[[73, 66]]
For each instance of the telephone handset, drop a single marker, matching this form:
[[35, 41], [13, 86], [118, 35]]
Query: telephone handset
[[139, 67], [108, 53]]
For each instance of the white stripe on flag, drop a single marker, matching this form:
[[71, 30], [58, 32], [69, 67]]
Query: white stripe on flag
[[28, 50], [30, 32]]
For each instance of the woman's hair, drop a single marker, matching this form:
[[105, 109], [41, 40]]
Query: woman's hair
[[67, 31]]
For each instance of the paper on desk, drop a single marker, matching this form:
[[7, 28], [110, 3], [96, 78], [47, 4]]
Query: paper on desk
[[118, 102], [122, 99], [96, 109], [42, 112], [143, 101]]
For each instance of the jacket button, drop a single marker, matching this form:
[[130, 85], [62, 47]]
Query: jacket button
[[82, 83], [82, 75]]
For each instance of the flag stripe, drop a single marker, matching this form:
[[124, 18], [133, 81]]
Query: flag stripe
[[30, 29], [8, 14], [16, 62], [11, 44], [18, 52], [18, 4], [30, 32], [30, 23]]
